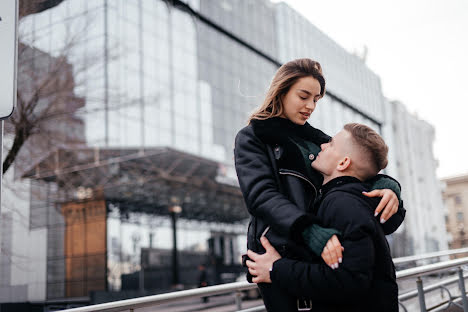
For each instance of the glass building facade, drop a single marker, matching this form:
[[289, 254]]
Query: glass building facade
[[163, 88], [354, 91]]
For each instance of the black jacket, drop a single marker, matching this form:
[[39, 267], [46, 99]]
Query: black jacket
[[365, 281], [277, 187], [278, 184]]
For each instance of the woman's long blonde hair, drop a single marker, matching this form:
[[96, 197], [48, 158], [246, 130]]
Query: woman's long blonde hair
[[284, 78]]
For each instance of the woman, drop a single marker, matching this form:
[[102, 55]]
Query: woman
[[273, 156]]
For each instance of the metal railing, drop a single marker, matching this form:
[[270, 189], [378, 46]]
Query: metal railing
[[136, 303], [440, 285], [419, 272], [238, 287], [431, 255]]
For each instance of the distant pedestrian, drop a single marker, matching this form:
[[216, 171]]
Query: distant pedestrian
[[202, 279]]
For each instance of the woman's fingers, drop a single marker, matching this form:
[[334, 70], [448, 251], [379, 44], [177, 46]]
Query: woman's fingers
[[327, 257], [374, 193], [332, 253], [390, 209], [335, 250], [382, 204], [337, 247]]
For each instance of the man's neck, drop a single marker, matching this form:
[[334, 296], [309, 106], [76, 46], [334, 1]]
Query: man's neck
[[337, 174], [327, 179]]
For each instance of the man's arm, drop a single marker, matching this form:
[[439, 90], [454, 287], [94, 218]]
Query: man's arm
[[317, 280]]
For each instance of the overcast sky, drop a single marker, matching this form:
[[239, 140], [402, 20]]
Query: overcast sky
[[419, 48]]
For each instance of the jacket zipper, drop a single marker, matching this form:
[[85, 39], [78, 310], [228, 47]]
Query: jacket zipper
[[300, 176]]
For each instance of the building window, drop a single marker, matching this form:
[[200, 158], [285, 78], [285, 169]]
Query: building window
[[458, 199], [459, 216]]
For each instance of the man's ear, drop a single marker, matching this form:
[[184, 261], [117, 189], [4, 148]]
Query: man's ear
[[344, 164]]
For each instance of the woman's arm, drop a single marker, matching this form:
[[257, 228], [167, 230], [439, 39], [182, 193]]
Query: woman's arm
[[259, 186], [390, 210]]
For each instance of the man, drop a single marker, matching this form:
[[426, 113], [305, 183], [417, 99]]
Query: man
[[365, 280]]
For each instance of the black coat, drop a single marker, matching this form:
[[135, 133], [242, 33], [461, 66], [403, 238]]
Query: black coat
[[279, 186], [277, 189], [365, 281]]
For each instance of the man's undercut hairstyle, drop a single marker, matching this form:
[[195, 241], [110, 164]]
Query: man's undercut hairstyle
[[372, 145]]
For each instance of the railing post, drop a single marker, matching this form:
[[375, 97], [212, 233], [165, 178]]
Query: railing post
[[422, 301], [238, 300], [461, 285]]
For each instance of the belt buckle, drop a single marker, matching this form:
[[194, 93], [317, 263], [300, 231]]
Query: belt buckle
[[306, 306]]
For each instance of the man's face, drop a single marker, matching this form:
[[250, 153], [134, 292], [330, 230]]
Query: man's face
[[332, 153]]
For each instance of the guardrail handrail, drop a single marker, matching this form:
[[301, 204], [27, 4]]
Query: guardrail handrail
[[429, 255], [136, 303], [141, 302], [430, 268]]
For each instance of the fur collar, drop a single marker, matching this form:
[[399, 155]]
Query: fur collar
[[291, 137], [278, 130]]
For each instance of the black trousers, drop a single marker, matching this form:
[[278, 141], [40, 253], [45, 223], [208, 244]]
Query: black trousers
[[276, 299]]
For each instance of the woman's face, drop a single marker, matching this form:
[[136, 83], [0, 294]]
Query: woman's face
[[301, 99]]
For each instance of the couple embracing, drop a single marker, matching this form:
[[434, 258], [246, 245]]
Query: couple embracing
[[319, 209]]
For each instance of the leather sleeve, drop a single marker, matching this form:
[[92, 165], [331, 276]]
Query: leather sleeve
[[259, 187]]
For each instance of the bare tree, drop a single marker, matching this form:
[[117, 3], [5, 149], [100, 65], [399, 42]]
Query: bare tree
[[46, 116], [27, 7]]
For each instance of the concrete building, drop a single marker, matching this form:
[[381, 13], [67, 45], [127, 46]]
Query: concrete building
[[412, 162], [354, 92], [456, 198], [167, 86]]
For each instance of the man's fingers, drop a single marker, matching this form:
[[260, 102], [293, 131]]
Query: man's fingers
[[251, 264], [266, 244], [253, 272], [252, 255], [256, 279]]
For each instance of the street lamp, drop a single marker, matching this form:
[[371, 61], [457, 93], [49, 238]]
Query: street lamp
[[174, 210]]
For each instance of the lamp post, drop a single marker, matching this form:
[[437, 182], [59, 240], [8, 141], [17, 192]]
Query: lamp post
[[174, 210]]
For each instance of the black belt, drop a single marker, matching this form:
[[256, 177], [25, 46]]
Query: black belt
[[304, 304]]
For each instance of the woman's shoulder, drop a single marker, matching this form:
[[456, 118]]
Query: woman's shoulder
[[246, 135], [246, 131]]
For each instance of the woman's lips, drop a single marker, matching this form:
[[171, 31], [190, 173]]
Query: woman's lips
[[306, 115]]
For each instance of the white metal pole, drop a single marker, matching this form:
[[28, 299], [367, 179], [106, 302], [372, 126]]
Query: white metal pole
[[1, 166]]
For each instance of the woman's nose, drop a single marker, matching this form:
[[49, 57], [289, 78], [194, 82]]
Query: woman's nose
[[311, 106]]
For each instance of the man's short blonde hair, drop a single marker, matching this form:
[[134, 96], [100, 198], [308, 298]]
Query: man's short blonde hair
[[372, 144]]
